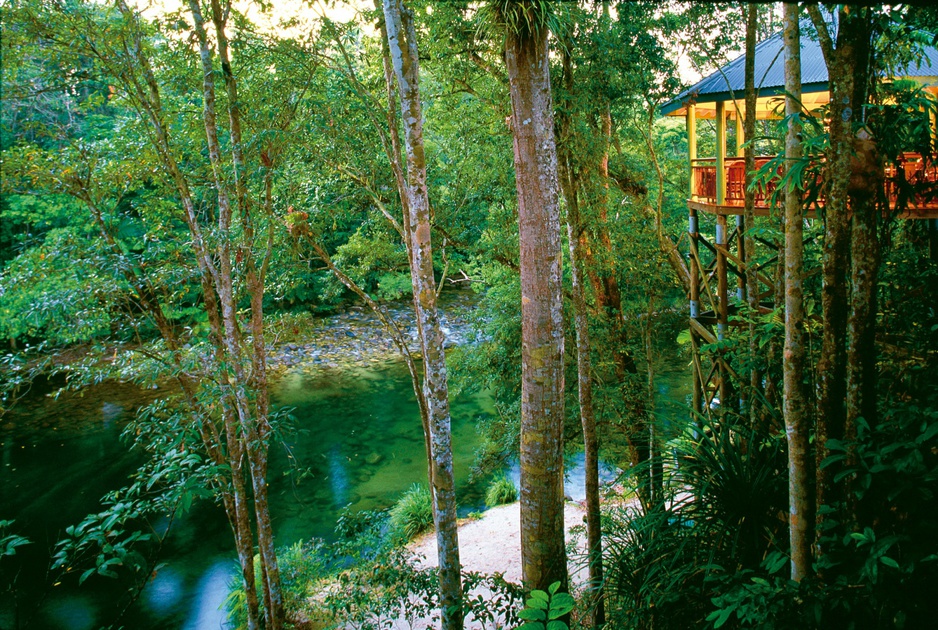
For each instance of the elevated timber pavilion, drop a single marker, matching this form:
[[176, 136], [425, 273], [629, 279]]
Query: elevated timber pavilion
[[717, 193]]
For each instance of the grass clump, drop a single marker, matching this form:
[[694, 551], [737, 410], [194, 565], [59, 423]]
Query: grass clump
[[413, 513], [502, 490]]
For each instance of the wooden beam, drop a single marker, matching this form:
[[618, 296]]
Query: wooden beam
[[691, 146], [702, 332]]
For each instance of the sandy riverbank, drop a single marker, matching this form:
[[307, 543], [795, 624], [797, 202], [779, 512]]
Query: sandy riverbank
[[492, 543]]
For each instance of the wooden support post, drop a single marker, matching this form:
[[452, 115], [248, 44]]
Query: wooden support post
[[692, 145], [721, 153], [693, 233], [722, 285], [695, 271], [722, 304], [697, 395], [741, 253], [740, 140]]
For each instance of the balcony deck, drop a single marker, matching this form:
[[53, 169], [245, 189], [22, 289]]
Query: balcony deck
[[914, 172]]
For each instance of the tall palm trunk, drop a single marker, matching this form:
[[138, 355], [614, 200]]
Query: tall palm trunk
[[543, 557], [402, 42]]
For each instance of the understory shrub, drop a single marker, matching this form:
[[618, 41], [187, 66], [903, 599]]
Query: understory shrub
[[500, 491], [366, 579], [413, 513], [725, 513]]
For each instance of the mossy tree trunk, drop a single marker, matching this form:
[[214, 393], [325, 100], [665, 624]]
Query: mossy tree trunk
[[797, 425], [402, 42], [543, 556]]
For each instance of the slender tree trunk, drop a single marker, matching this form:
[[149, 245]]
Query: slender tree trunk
[[801, 516], [402, 42], [575, 228], [865, 193], [588, 422], [847, 65], [215, 273], [543, 557], [252, 418], [749, 208], [654, 442], [570, 179]]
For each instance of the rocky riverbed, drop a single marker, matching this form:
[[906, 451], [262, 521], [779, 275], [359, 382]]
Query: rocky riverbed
[[356, 337]]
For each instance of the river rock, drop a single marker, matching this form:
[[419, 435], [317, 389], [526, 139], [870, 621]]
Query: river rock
[[373, 458]]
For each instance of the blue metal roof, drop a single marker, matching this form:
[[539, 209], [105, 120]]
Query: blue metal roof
[[730, 80]]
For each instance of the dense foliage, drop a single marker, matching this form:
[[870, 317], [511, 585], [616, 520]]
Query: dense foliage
[[92, 240]]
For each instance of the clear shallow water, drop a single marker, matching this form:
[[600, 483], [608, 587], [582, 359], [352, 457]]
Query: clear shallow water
[[357, 443]]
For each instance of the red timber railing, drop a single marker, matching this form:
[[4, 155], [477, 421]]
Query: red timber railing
[[721, 261], [912, 174]]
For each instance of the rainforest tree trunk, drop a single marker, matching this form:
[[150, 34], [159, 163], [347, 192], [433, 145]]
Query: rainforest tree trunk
[[244, 405], [749, 210], [402, 42], [570, 185], [848, 71], [801, 516], [543, 557]]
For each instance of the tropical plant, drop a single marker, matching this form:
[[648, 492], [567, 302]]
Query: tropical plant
[[412, 514], [500, 490], [545, 610]]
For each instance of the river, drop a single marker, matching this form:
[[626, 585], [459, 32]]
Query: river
[[356, 444]]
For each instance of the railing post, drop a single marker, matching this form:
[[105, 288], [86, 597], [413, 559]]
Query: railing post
[[692, 145], [740, 140], [721, 153]]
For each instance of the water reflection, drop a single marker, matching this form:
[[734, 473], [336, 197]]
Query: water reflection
[[164, 591], [207, 609], [357, 442], [338, 477], [72, 611]]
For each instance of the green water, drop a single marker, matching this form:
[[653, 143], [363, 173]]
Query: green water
[[356, 443], [359, 443]]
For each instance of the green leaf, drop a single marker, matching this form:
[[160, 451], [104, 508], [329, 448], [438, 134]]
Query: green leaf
[[84, 576], [560, 605], [532, 614], [889, 562], [723, 616], [557, 625]]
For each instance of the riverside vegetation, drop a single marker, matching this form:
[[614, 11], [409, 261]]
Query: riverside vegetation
[[182, 187]]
